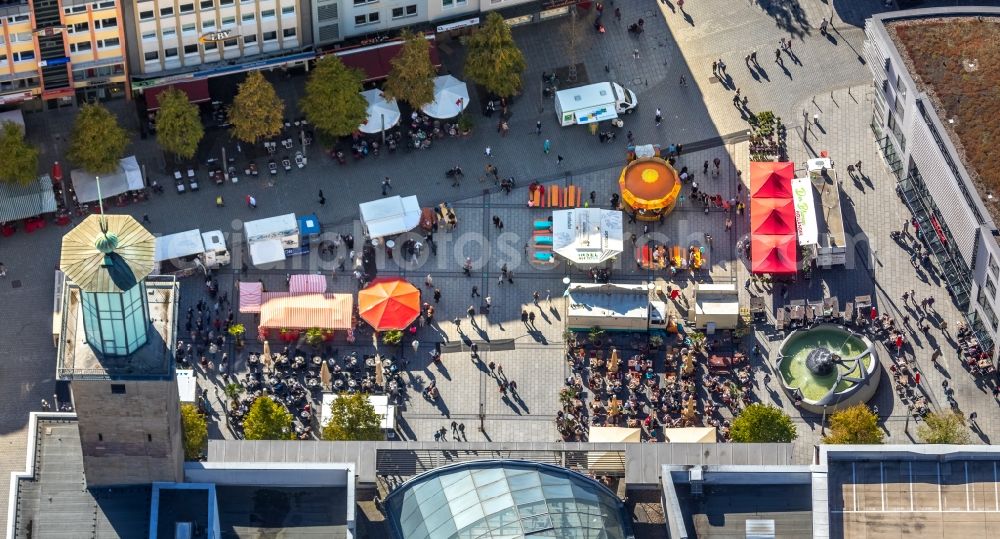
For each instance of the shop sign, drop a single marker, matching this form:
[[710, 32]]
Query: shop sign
[[805, 212], [215, 37], [458, 25], [518, 21], [50, 30], [550, 13], [939, 230], [15, 98]]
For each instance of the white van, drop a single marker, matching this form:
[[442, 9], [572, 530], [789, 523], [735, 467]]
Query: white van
[[183, 252], [594, 103]]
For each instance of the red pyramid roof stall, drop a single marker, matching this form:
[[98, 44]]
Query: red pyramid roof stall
[[772, 216], [776, 255], [771, 180]]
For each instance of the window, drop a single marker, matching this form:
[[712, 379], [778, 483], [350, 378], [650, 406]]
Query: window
[[226, 2], [210, 46], [288, 32], [363, 2], [77, 27], [149, 36], [23, 56], [146, 15], [166, 11], [189, 28], [152, 56], [401, 12], [287, 10], [169, 32], [230, 43], [207, 5], [190, 50], [69, 10], [108, 43], [110, 22], [991, 287], [900, 88], [208, 23], [3, 58], [452, 3], [149, 437], [170, 53], [105, 5], [117, 389], [270, 36], [228, 21], [24, 18], [994, 268], [267, 14], [79, 47], [371, 18], [187, 8], [248, 17], [20, 37], [250, 38], [100, 437]]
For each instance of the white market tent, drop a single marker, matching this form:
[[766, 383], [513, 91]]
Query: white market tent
[[380, 402], [614, 307], [690, 435], [127, 178], [610, 461], [451, 96], [390, 216], [187, 386], [716, 304], [382, 113], [587, 235], [266, 252], [23, 201]]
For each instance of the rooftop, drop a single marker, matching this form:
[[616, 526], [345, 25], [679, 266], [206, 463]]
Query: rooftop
[[954, 60], [155, 359], [729, 511], [263, 512]]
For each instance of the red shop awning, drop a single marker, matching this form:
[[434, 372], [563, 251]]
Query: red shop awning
[[375, 60], [196, 90]]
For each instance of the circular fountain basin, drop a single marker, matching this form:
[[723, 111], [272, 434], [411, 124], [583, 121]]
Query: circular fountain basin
[[829, 367]]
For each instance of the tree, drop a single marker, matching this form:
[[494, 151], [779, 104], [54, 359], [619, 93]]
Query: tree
[[854, 425], [18, 159], [257, 112], [943, 428], [494, 60], [411, 78], [97, 142], [333, 102], [762, 423], [267, 420], [195, 431], [352, 417], [178, 125]]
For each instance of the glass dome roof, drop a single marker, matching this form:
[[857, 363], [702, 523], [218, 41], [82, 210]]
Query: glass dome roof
[[504, 498]]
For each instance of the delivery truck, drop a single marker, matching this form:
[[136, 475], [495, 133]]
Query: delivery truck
[[594, 103], [270, 240], [185, 252]]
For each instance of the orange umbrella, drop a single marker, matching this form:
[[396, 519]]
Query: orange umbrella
[[649, 183], [389, 303]]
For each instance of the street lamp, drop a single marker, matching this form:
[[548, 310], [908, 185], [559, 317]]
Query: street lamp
[[823, 426]]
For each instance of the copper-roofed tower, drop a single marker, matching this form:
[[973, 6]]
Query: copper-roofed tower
[[116, 344]]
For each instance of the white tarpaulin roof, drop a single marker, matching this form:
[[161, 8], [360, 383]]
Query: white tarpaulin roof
[[587, 235], [382, 113], [23, 201], [128, 177], [805, 212], [451, 96], [187, 386], [690, 435], [391, 215], [610, 460], [380, 402], [266, 252]]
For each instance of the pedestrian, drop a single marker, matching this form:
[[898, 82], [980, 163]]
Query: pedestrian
[[493, 367], [722, 66], [500, 370], [437, 295], [745, 100], [736, 100], [510, 277], [467, 267], [715, 66], [729, 224], [322, 199], [454, 428], [429, 281], [593, 197], [3, 270], [777, 56], [471, 311], [559, 160], [488, 301], [535, 296], [634, 238], [496, 222], [753, 57], [972, 418], [659, 117], [538, 127], [683, 81], [546, 146], [504, 128], [746, 60], [503, 387], [618, 14], [488, 152], [145, 218], [475, 291], [513, 386], [531, 318], [858, 167], [386, 185], [524, 316], [635, 54], [704, 169]]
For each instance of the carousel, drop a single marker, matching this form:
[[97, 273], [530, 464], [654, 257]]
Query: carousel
[[649, 188]]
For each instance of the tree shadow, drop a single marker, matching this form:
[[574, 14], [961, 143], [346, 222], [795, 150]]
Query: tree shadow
[[788, 15]]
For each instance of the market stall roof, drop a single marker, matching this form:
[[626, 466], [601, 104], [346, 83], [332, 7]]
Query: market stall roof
[[128, 177], [376, 60], [649, 183], [714, 299], [774, 254], [324, 311], [309, 283], [187, 385], [390, 216], [389, 303], [607, 300], [309, 225], [771, 180], [587, 235], [196, 90], [386, 411], [382, 113], [614, 435], [251, 296], [266, 252], [451, 96], [772, 216], [23, 201], [690, 435]]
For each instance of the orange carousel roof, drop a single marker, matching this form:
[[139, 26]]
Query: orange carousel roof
[[649, 183]]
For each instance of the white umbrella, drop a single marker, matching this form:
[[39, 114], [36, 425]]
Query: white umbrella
[[451, 96], [382, 113]]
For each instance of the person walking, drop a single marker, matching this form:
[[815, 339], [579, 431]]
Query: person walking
[[715, 67], [437, 295], [538, 127], [535, 296], [493, 367], [499, 370], [488, 152], [659, 117], [635, 54], [683, 81], [429, 281], [722, 67], [322, 199], [753, 57], [559, 160], [3, 270], [467, 267], [488, 301], [386, 185], [546, 146], [777, 56], [475, 291], [524, 317], [145, 218], [531, 319]]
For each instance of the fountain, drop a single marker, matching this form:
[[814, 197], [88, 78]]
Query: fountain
[[828, 367]]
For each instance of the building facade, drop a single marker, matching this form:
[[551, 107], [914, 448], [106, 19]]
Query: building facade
[[932, 179], [59, 51]]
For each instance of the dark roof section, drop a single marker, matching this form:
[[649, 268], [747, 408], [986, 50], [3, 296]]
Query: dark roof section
[[722, 511], [54, 504], [267, 512], [505, 498]]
